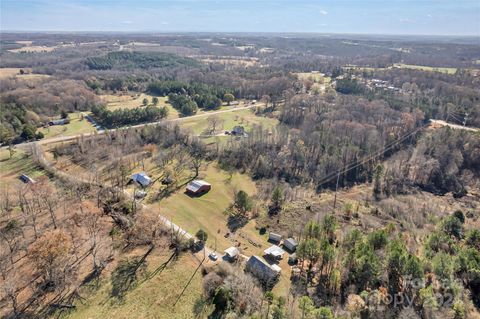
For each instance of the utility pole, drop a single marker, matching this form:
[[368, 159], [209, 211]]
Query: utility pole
[[465, 119], [336, 189]]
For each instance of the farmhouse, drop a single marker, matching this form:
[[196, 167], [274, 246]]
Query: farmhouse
[[231, 253], [261, 269], [198, 187], [274, 238], [142, 179], [290, 244], [274, 252], [59, 122]]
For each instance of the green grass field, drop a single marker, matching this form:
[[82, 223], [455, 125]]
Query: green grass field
[[11, 168], [425, 68], [314, 77], [244, 118], [153, 298], [405, 66], [208, 211], [76, 126], [135, 100]]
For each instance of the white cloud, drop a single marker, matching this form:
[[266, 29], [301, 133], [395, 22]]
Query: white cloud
[[165, 23], [127, 22], [323, 12]]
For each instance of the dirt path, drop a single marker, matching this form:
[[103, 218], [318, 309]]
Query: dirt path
[[454, 126]]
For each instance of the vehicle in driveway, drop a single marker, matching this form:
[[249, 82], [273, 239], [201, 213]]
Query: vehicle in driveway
[[213, 256]]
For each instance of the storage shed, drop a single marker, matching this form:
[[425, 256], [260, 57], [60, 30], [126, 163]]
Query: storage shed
[[290, 244], [274, 252], [232, 253], [198, 187], [142, 179], [275, 238]]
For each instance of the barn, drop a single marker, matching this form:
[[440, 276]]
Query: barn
[[198, 187]]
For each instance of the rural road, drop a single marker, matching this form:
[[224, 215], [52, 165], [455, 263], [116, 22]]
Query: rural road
[[180, 119], [455, 126]]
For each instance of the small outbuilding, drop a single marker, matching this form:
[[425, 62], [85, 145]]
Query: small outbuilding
[[59, 122], [238, 130], [262, 270], [232, 253], [274, 238], [142, 179], [290, 244], [292, 259], [198, 187], [274, 252], [26, 179]]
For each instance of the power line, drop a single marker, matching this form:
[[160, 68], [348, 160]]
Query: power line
[[368, 158]]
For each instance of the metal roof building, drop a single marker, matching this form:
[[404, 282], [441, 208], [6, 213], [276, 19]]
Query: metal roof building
[[261, 269], [232, 252], [274, 237], [274, 252], [142, 179], [198, 186], [290, 244]]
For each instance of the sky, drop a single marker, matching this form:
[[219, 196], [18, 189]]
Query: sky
[[416, 17]]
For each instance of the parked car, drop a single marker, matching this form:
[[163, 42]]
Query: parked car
[[213, 256]]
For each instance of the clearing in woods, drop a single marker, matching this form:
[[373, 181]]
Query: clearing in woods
[[134, 100], [315, 77], [6, 73], [246, 118], [12, 167], [77, 125]]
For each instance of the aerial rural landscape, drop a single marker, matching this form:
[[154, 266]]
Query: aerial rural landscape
[[230, 174]]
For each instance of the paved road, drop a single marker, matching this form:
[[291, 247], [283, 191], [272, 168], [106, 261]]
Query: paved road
[[455, 126], [180, 119]]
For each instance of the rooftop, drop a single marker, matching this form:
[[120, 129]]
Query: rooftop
[[232, 252], [195, 185], [274, 250]]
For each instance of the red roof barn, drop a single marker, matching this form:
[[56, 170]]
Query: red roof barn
[[198, 187]]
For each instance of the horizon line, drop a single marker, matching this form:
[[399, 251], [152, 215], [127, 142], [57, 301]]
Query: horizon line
[[239, 32]]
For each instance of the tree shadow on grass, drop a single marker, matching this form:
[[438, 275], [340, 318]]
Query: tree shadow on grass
[[237, 221], [125, 277]]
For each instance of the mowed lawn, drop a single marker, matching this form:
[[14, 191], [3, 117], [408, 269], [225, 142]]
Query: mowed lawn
[[207, 212], [426, 68], [153, 298], [245, 118], [314, 77], [11, 168], [76, 126], [134, 100]]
